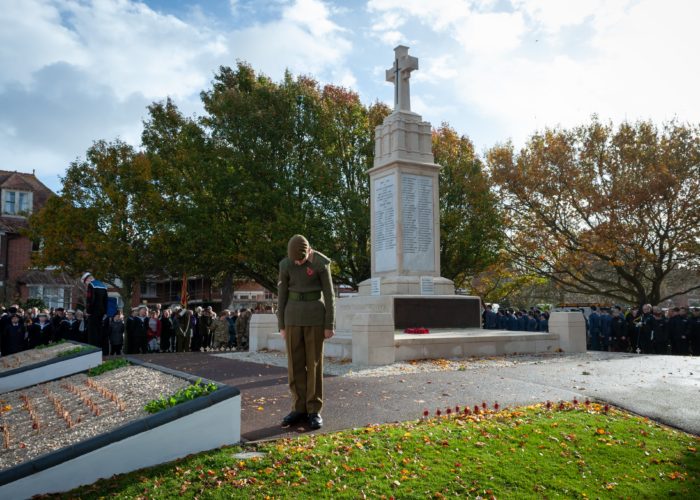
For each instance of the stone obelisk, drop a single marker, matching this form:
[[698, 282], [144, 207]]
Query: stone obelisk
[[404, 201], [406, 289]]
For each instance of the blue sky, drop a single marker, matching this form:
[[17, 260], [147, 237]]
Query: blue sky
[[75, 71]]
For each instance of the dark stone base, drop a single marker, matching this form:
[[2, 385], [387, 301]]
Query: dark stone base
[[437, 312]]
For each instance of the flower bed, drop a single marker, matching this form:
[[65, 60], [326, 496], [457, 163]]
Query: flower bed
[[34, 356], [35, 366], [72, 431]]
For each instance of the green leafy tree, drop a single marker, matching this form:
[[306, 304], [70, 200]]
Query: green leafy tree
[[603, 211], [347, 139], [470, 222], [101, 219]]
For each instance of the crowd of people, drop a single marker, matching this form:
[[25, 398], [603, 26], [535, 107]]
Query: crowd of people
[[649, 331], [174, 329], [520, 320]]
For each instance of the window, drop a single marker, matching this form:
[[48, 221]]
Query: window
[[16, 202], [53, 296], [148, 290]]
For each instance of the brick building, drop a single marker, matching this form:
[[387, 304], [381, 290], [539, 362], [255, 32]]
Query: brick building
[[21, 194], [202, 292]]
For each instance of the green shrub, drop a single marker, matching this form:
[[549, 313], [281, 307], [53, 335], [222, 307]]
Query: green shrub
[[75, 350], [107, 366], [183, 395], [46, 346]]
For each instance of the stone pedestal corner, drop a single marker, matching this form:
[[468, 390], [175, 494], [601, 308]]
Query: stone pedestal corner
[[571, 328], [261, 327], [373, 339]]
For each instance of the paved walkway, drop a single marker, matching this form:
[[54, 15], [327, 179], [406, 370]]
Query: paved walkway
[[665, 388]]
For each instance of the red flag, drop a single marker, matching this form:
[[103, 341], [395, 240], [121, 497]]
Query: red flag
[[184, 296]]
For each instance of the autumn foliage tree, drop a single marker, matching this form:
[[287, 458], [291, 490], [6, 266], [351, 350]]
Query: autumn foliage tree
[[605, 211], [470, 221], [101, 220]]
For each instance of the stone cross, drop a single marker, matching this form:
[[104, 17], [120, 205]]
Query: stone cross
[[399, 74]]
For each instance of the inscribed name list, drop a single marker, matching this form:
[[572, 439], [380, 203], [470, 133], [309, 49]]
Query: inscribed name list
[[384, 205], [417, 222]]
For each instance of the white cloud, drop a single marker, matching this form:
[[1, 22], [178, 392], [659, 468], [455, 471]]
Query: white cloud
[[94, 65], [490, 33], [31, 36], [304, 40], [546, 62]]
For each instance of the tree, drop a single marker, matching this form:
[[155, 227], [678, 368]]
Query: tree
[[101, 220], [297, 156], [603, 211], [470, 222], [347, 142]]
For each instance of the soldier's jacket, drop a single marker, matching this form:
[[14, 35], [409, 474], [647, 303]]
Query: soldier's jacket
[[219, 328], [311, 276]]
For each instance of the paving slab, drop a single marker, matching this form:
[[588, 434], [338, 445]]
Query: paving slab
[[665, 388]]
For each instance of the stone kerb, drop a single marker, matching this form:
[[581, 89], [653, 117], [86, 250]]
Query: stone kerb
[[262, 326], [571, 328], [373, 339]]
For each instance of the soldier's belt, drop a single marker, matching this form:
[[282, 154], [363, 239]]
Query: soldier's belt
[[305, 296]]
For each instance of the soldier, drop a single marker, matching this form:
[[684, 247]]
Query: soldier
[[242, 329], [306, 317], [96, 309]]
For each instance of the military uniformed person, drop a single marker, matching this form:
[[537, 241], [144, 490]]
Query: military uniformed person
[[306, 317], [96, 308]]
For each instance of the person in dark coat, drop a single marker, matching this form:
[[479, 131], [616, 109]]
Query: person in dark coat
[[512, 321], [167, 331], [694, 335], [232, 317], [594, 329], [34, 335], [618, 341], [679, 331], [605, 325], [646, 331], [140, 331], [68, 330], [95, 307], [632, 319], [195, 320], [116, 334], [531, 322], [13, 336], [661, 340], [130, 326], [44, 327]]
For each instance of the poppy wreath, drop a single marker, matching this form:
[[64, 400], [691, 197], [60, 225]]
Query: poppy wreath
[[416, 330]]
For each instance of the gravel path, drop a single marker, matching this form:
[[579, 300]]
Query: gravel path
[[89, 409]]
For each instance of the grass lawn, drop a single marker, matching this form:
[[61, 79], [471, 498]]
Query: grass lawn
[[573, 451]]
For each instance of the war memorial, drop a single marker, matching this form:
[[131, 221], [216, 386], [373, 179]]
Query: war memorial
[[406, 291]]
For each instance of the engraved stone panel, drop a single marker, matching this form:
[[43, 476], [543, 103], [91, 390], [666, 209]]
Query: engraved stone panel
[[384, 206], [417, 222]]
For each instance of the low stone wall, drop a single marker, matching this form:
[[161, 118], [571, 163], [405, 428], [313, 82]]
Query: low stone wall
[[373, 340]]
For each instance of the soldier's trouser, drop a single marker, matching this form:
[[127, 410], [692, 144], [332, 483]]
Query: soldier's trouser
[[305, 367], [180, 342]]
